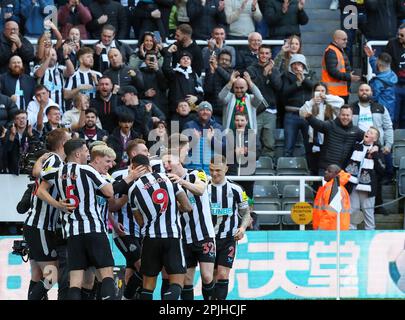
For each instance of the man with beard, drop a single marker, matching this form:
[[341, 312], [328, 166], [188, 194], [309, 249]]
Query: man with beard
[[16, 84], [103, 47], [37, 108], [52, 75], [216, 78], [105, 103], [121, 74], [85, 79], [11, 44], [366, 114], [90, 132]]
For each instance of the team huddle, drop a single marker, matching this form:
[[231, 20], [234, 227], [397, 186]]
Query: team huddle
[[166, 219]]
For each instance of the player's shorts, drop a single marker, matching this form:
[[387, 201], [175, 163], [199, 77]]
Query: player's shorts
[[90, 249], [226, 250], [41, 244], [158, 253], [201, 251], [130, 247]]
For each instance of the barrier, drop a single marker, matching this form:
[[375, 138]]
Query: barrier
[[279, 265]]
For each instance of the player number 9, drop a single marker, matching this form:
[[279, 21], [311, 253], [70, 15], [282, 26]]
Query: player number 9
[[161, 197]]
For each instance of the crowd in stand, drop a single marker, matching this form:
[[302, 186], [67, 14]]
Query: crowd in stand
[[114, 92]]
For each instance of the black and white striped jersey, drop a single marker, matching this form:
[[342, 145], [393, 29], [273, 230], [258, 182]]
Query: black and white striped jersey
[[41, 215], [83, 77], [125, 215], [154, 196], [54, 80], [197, 226], [103, 201], [79, 184], [157, 165], [226, 199]]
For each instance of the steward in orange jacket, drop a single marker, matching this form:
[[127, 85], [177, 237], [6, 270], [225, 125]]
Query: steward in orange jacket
[[328, 201]]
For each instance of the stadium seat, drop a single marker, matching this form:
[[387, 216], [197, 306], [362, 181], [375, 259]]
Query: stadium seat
[[399, 136], [267, 204], [401, 177], [265, 166], [293, 191], [265, 189], [398, 151], [293, 165]]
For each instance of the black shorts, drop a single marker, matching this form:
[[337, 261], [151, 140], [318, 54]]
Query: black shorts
[[87, 250], [201, 251], [158, 253], [41, 244], [226, 250], [130, 247]]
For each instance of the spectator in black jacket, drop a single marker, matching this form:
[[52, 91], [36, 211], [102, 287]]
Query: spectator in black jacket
[[102, 48], [183, 80], [339, 140], [155, 82], [11, 44], [184, 42], [297, 89], [105, 103], [205, 15], [107, 11], [121, 74], [248, 56], [119, 138], [284, 18], [268, 80], [182, 116], [144, 112], [7, 110], [90, 132], [216, 77], [18, 141]]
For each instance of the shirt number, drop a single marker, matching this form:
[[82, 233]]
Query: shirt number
[[70, 195], [161, 197]]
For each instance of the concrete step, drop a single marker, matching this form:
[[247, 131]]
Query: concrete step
[[314, 61], [317, 4], [316, 37], [313, 49], [390, 222], [323, 14], [315, 25]]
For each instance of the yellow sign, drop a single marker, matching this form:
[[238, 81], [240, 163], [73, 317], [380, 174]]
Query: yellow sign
[[301, 213]]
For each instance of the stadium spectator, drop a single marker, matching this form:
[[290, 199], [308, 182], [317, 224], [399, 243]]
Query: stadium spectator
[[292, 45], [202, 131], [235, 98], [12, 43], [183, 79], [9, 11], [105, 103], [396, 49], [297, 88], [119, 138], [16, 84], [182, 115], [74, 42], [53, 122], [147, 43], [155, 83], [158, 138], [184, 42], [37, 107], [340, 137], [108, 41], [120, 73], [90, 131], [215, 79], [204, 15], [143, 112], [74, 14], [216, 45], [248, 56], [268, 80], [383, 84], [241, 15], [34, 14], [284, 18], [107, 12], [324, 107], [336, 70], [19, 139], [84, 79], [365, 165], [74, 118], [7, 110], [44, 42], [52, 75]]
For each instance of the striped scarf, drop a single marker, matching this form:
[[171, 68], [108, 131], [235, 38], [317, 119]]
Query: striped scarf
[[361, 168]]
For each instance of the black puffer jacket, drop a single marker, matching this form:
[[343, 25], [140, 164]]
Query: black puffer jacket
[[117, 17], [204, 18], [339, 141], [395, 49], [283, 25], [295, 95], [7, 110]]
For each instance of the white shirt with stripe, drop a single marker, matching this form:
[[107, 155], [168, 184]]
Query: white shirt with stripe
[[83, 77]]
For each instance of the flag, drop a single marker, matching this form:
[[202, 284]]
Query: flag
[[335, 200]]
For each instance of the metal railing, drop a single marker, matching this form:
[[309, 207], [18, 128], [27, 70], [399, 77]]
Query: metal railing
[[301, 179]]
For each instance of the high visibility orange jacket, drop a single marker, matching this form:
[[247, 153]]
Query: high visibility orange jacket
[[335, 86], [324, 216]]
